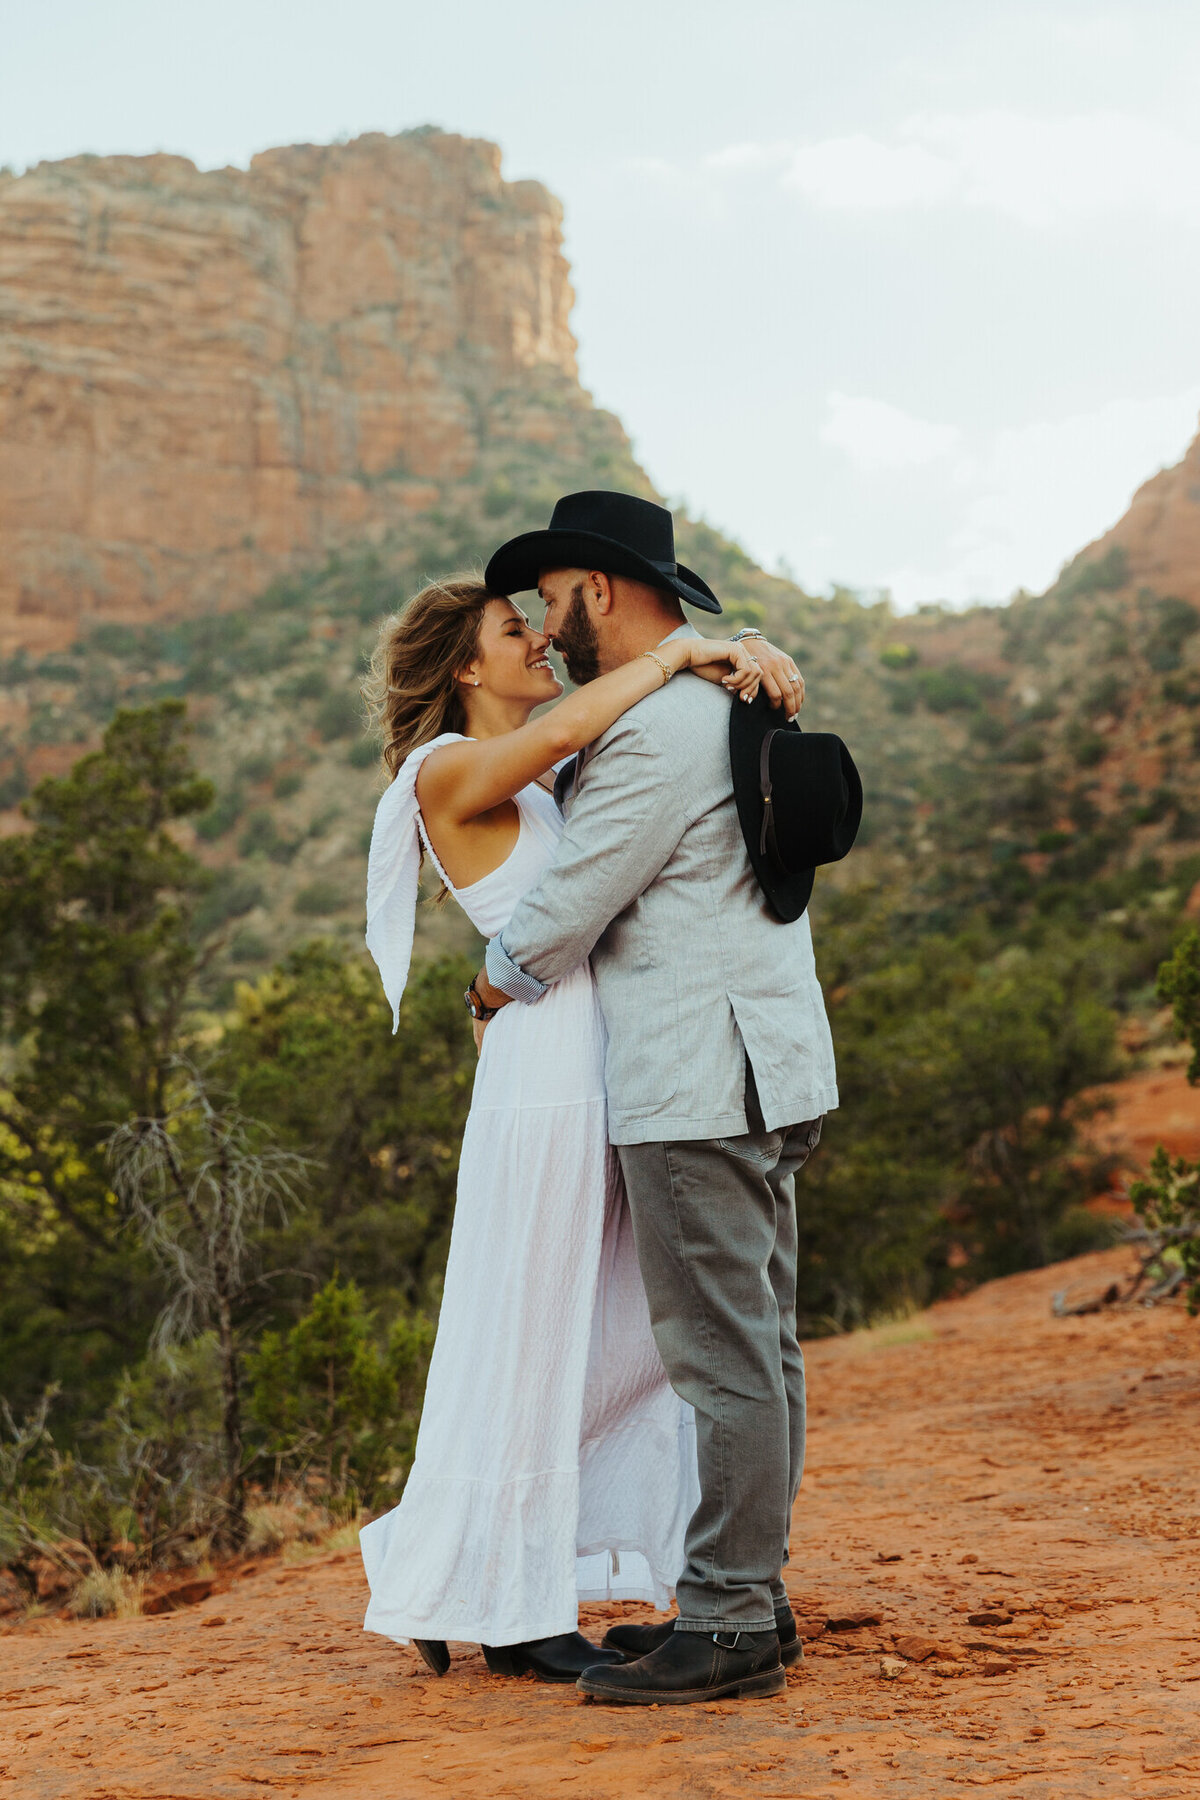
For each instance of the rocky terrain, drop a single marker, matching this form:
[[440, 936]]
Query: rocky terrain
[[994, 1559]]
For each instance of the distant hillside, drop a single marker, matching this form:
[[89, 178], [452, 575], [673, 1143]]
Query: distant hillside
[[272, 694], [1075, 723], [246, 414]]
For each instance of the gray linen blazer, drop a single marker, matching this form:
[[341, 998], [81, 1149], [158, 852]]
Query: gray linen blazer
[[694, 973]]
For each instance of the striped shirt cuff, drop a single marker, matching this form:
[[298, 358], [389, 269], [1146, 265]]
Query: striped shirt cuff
[[512, 980]]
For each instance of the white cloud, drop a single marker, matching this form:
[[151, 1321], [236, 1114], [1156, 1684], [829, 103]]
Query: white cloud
[[1039, 171], [877, 436], [859, 171], [738, 158]]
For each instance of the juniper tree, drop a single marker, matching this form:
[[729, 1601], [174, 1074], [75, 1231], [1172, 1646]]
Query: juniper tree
[[96, 959], [200, 1183], [1179, 983]]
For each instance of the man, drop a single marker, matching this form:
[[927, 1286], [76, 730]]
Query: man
[[719, 1071]]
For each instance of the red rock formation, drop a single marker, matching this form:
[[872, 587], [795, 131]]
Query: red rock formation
[[1161, 531], [205, 377]]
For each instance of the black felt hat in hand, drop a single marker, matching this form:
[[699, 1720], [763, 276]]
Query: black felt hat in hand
[[617, 534], [799, 800]]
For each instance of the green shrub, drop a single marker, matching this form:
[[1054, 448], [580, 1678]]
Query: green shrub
[[161, 1444], [363, 753], [1157, 806], [899, 656], [58, 669], [248, 947], [1086, 746], [287, 784], [230, 894], [1169, 622], [224, 813], [14, 785], [1030, 747], [1110, 694], [328, 1396], [339, 714], [260, 835], [1182, 690], [1179, 986], [1104, 574], [1168, 1204], [954, 688], [309, 684], [318, 899], [255, 768]]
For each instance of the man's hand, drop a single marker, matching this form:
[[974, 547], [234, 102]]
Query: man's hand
[[781, 679], [478, 1027]]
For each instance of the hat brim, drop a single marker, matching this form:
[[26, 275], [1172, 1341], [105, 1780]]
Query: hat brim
[[787, 892], [517, 565]]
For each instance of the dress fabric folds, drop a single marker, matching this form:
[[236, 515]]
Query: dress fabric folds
[[554, 1462]]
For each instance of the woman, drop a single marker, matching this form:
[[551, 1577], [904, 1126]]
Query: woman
[[554, 1463]]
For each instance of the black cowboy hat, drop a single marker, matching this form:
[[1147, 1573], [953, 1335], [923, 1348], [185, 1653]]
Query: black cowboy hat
[[615, 533], [799, 800]]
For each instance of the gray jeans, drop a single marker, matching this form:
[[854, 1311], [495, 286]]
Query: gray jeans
[[715, 1226]]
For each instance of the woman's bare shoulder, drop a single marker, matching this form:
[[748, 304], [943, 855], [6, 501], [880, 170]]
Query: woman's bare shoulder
[[442, 769]]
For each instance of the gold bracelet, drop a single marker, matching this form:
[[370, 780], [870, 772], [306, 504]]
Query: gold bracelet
[[667, 672]]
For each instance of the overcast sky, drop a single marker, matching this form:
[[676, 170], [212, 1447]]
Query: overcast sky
[[904, 292]]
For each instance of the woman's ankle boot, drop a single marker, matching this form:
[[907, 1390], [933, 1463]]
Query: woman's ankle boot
[[433, 1654]]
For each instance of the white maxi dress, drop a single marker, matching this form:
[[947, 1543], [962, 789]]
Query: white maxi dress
[[554, 1462]]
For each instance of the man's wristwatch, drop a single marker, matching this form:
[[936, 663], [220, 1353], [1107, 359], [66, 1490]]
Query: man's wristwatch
[[475, 1005]]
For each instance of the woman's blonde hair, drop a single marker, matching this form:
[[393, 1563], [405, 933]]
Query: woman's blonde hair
[[411, 689]]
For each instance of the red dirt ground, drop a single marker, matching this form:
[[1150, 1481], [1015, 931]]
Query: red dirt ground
[[1154, 1106], [982, 1457]]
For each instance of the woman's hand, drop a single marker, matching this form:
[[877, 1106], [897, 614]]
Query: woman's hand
[[752, 661], [782, 681], [708, 656]]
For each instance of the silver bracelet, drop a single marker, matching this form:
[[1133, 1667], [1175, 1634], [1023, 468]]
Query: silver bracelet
[[745, 632]]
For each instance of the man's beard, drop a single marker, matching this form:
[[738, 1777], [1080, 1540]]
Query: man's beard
[[576, 641]]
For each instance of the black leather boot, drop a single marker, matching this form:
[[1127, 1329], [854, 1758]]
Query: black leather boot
[[434, 1654], [693, 1665], [562, 1658], [638, 1640]]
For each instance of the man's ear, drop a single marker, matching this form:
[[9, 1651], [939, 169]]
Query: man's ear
[[602, 594]]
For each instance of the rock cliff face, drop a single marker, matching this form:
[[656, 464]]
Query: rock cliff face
[[208, 377], [1160, 534]]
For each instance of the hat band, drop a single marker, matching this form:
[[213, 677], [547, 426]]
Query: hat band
[[766, 837]]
